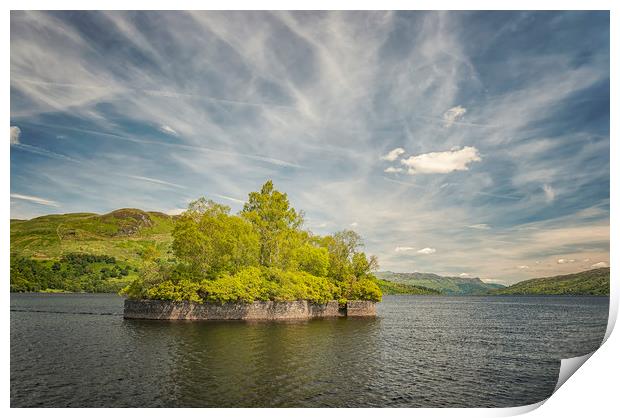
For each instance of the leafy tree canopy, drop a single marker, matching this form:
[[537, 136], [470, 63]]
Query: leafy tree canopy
[[260, 254]]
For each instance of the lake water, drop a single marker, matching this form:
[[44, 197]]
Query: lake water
[[421, 351]]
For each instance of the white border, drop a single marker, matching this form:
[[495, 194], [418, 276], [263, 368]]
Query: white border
[[593, 390]]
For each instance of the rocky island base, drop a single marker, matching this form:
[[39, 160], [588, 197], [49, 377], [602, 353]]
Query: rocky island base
[[258, 310]]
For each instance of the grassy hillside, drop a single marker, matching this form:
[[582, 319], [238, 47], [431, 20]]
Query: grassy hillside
[[443, 284], [84, 252], [392, 288], [122, 234], [591, 282]]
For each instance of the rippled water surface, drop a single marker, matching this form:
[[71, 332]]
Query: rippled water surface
[[76, 350]]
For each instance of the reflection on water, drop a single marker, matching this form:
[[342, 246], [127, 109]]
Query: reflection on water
[[76, 350]]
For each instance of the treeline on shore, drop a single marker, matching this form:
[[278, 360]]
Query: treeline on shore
[[73, 272]]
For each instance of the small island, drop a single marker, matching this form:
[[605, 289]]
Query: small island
[[259, 264]]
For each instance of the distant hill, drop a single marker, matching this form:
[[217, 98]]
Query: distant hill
[[591, 282], [84, 252], [444, 284], [123, 234], [392, 288]]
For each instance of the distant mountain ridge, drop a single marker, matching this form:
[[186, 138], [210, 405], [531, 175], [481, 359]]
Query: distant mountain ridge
[[591, 282], [445, 284]]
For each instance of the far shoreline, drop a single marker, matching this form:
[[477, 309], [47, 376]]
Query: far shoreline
[[67, 292]]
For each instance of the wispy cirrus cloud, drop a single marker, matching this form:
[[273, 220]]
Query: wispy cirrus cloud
[[35, 199], [232, 199], [157, 181], [43, 152], [479, 226]]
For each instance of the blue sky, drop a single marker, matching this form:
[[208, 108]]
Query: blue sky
[[459, 143]]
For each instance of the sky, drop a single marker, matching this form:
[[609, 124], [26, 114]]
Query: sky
[[460, 143]]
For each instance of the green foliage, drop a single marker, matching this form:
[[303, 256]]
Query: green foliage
[[392, 288], [248, 285], [275, 221], [72, 272], [591, 282], [342, 248], [365, 289], [245, 286], [185, 290], [211, 241], [298, 285], [262, 255], [312, 259]]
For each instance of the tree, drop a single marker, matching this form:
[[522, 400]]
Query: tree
[[362, 266], [211, 241], [275, 221], [341, 247]]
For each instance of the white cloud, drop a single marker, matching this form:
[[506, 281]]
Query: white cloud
[[35, 199], [479, 226], [427, 250], [232, 199], [523, 267], [393, 170], [464, 275], [599, 265], [15, 133], [442, 162], [157, 181], [401, 249], [453, 114], [393, 155], [354, 224], [565, 260], [549, 193], [168, 130]]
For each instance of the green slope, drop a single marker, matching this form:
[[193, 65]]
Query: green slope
[[123, 234], [591, 282], [443, 284], [391, 288], [84, 252]]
